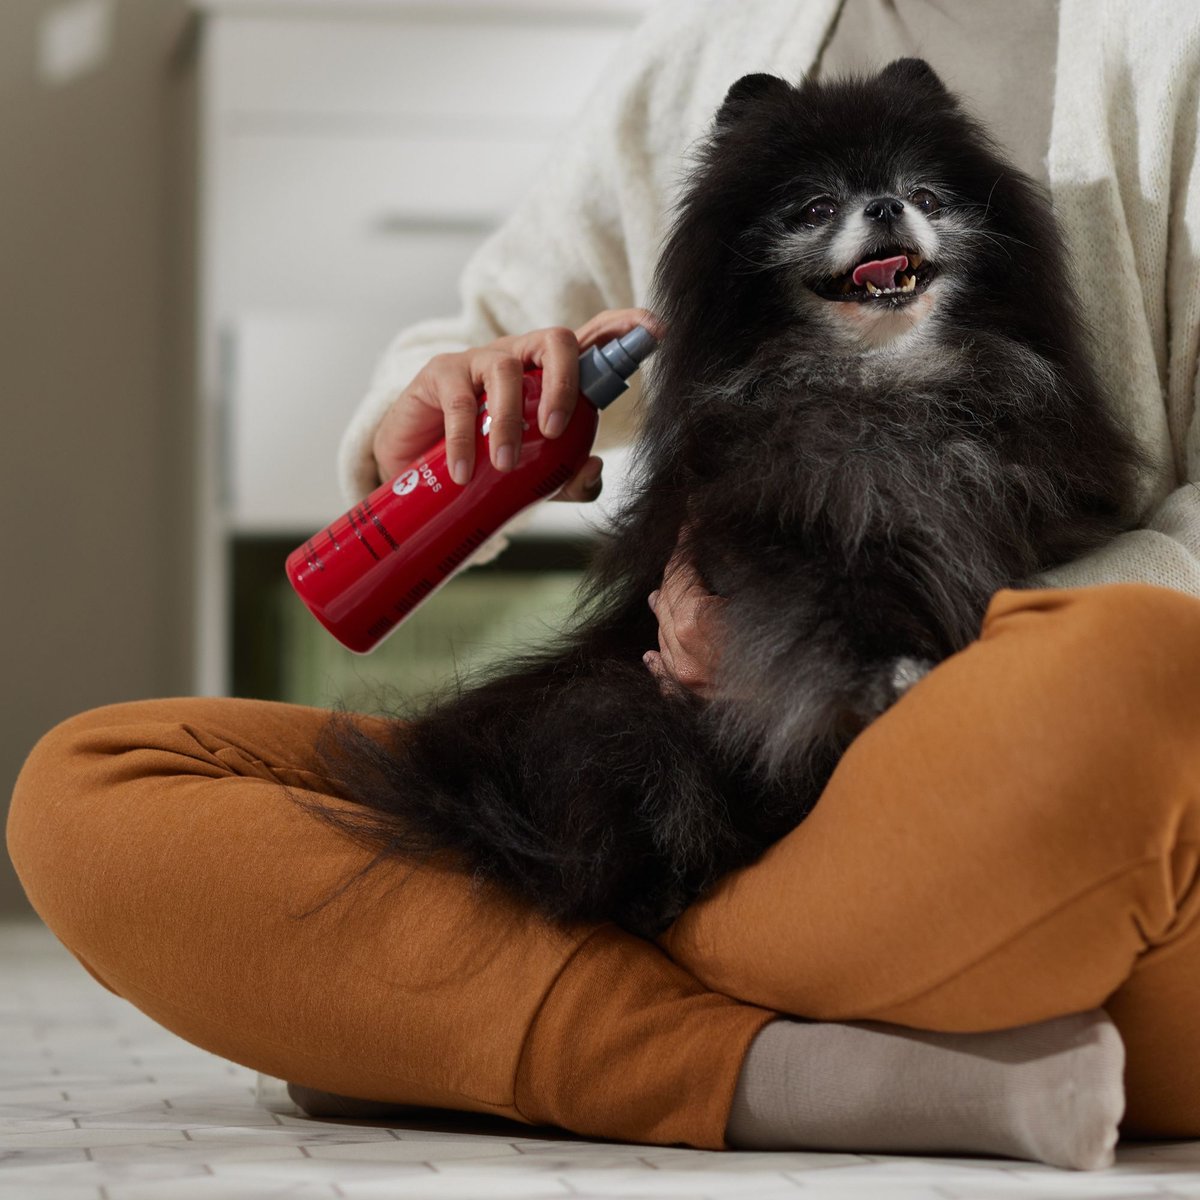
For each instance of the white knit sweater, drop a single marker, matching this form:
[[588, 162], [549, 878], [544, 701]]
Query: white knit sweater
[[1124, 175]]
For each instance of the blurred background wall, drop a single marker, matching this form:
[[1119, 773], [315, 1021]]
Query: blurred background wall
[[95, 318], [214, 214]]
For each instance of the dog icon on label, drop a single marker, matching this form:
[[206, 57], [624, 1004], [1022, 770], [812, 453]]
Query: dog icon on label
[[406, 483]]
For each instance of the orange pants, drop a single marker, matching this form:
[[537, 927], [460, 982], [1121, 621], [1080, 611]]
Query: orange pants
[[1015, 840]]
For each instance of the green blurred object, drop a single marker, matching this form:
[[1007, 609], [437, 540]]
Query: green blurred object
[[480, 617], [477, 619]]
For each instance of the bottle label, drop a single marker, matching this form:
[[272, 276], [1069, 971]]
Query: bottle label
[[403, 484], [421, 473], [429, 475], [398, 545]]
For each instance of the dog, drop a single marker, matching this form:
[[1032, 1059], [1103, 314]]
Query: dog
[[873, 407]]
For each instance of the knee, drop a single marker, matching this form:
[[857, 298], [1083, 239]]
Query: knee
[[1138, 618], [1133, 644], [47, 833], [1106, 682]]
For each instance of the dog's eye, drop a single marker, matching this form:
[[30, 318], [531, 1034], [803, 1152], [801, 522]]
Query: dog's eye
[[819, 211], [925, 200]]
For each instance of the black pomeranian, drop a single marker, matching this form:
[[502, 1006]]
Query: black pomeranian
[[873, 407]]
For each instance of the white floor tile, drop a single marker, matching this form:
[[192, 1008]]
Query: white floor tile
[[393, 1151], [211, 1188], [92, 1139], [12, 1158], [749, 1183], [443, 1187], [308, 1170], [320, 1133], [49, 1192]]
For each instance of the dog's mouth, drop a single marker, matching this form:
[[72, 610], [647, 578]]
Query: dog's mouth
[[896, 276]]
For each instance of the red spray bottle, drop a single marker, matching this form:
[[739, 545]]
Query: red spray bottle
[[373, 566]]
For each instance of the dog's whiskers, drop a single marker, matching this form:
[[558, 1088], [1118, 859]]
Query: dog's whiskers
[[746, 258]]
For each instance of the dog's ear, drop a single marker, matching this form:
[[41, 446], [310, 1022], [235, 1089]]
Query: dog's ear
[[749, 90], [913, 72]]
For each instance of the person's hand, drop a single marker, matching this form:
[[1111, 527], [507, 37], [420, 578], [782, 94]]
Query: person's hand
[[689, 631], [443, 400]]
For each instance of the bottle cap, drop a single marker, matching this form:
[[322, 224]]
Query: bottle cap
[[603, 370]]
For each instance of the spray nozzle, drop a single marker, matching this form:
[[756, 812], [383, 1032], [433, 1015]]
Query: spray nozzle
[[603, 370]]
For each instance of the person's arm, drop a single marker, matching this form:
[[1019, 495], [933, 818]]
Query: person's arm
[[1165, 551], [1137, 265], [442, 399], [689, 631], [583, 239]]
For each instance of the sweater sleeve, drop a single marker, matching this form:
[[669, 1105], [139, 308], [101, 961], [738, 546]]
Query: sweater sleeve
[[582, 239], [1152, 142], [1165, 551], [522, 278], [587, 234]]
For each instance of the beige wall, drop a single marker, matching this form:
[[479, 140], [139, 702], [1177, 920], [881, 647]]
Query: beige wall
[[94, 324]]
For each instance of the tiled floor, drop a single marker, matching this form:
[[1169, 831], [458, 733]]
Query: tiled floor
[[99, 1103]]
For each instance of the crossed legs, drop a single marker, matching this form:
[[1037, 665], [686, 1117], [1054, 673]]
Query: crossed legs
[[1015, 840]]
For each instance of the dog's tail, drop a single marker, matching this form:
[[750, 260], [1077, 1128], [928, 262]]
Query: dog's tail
[[569, 779]]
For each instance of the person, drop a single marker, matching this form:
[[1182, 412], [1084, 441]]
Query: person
[[991, 913]]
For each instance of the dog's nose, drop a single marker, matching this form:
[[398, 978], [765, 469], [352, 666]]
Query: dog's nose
[[883, 208]]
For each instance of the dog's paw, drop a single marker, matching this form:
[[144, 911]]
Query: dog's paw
[[906, 671]]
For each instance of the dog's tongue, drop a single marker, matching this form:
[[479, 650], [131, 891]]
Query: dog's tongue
[[881, 272]]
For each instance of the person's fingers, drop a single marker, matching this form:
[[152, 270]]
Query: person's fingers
[[617, 322], [680, 579], [687, 635], [460, 407], [675, 604], [687, 670], [412, 424], [656, 667], [674, 657], [557, 352], [443, 400], [500, 375], [692, 608], [699, 635], [585, 485]]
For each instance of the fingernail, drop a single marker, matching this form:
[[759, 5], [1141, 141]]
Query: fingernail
[[459, 471], [653, 601], [648, 657], [556, 422], [504, 458]]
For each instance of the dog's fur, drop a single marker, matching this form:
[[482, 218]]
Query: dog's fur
[[856, 478]]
